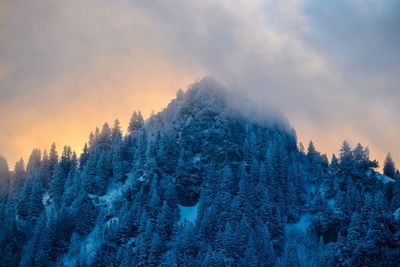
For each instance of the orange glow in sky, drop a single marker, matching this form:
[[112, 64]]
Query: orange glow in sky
[[66, 67], [70, 123]]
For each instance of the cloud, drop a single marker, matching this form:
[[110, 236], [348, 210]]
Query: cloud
[[67, 66], [360, 40]]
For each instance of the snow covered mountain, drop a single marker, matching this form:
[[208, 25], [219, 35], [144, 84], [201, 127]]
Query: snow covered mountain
[[209, 181]]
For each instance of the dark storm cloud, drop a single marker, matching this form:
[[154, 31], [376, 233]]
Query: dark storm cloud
[[331, 68]]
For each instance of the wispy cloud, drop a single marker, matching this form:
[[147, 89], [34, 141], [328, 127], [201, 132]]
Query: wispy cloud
[[66, 66]]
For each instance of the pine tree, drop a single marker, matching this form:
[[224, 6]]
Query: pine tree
[[165, 222], [250, 255], [214, 259], [5, 182], [84, 156], [35, 201], [105, 138], [103, 174], [355, 236], [46, 171], [57, 186], [116, 133], [34, 161], [389, 168], [89, 176], [33, 245], [24, 198], [334, 166], [11, 239], [264, 246], [73, 186], [188, 182], [360, 154], [312, 153], [85, 214], [395, 201], [254, 171], [136, 122], [346, 157], [53, 155], [243, 233], [156, 250], [18, 180]]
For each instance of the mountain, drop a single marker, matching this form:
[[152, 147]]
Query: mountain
[[209, 181]]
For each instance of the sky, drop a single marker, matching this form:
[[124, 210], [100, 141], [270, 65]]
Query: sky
[[332, 67]]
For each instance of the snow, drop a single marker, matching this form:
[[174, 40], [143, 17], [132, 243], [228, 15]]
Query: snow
[[131, 241], [332, 203], [47, 203], [303, 224], [197, 158], [111, 196], [113, 220], [45, 198], [83, 250], [383, 178], [396, 214], [115, 191], [188, 214]]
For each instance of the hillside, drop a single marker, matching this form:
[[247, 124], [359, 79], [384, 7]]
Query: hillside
[[209, 181]]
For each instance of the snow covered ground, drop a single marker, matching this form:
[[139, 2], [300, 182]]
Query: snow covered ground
[[383, 178], [397, 214], [115, 191], [82, 250], [303, 224], [188, 214]]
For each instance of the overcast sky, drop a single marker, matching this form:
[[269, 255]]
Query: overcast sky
[[332, 67]]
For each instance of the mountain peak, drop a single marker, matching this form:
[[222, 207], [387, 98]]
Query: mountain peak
[[213, 170], [210, 95], [208, 90]]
